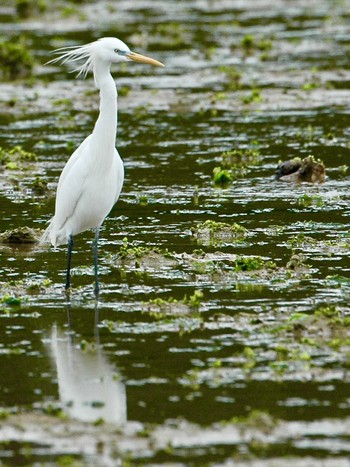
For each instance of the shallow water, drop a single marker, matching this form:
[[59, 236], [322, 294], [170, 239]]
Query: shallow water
[[254, 372]]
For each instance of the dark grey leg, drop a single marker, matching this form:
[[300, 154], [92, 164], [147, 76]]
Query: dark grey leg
[[97, 286], [69, 259]]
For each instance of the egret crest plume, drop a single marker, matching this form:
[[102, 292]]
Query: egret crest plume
[[74, 54]]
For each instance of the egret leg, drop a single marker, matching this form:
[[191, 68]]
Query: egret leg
[[95, 244], [69, 260]]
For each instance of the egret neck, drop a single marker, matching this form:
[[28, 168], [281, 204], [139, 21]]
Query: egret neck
[[105, 130]]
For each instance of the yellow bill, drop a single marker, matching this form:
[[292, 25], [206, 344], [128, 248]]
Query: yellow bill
[[143, 59]]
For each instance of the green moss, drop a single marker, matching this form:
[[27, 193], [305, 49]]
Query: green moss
[[343, 169], [170, 36], [4, 413], [218, 96], [99, 422], [256, 419], [161, 302], [301, 239], [298, 316], [87, 346], [129, 251], [68, 461], [219, 226], [39, 185], [309, 86], [193, 379], [248, 41], [330, 311], [237, 158], [11, 300], [252, 263], [307, 200], [165, 308], [15, 60], [54, 410], [339, 279], [254, 97], [16, 158], [264, 44], [194, 300], [216, 233], [143, 200], [233, 77], [11, 166], [66, 102], [217, 363], [203, 267], [222, 177], [34, 288], [27, 8], [249, 358], [235, 164], [68, 11], [216, 230], [124, 91]]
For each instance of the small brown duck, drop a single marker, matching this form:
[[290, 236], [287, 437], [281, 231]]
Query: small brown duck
[[308, 169]]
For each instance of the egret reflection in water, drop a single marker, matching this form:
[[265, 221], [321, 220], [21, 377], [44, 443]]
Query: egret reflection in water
[[88, 384]]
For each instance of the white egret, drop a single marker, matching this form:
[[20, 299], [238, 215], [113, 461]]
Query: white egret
[[92, 179]]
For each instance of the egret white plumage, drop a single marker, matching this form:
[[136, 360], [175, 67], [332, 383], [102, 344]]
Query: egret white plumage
[[92, 179]]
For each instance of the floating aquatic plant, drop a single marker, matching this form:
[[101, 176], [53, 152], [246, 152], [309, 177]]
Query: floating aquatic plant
[[16, 157], [252, 263], [161, 308], [213, 232], [222, 177]]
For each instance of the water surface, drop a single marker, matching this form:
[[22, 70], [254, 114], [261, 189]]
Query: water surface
[[256, 368]]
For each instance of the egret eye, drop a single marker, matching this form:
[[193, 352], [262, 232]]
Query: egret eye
[[120, 52]]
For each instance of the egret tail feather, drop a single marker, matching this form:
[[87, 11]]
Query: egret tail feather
[[45, 238]]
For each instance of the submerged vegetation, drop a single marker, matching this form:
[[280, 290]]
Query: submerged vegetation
[[235, 164], [28, 8], [16, 61], [21, 235], [171, 308], [213, 232], [17, 158]]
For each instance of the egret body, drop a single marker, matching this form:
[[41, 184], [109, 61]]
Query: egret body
[[92, 179]]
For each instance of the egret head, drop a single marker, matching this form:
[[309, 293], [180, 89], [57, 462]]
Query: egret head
[[115, 51], [107, 49]]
